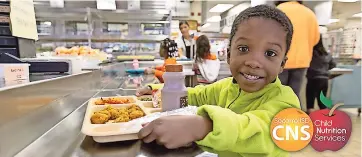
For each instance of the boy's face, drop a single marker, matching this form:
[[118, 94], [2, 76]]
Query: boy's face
[[256, 53]]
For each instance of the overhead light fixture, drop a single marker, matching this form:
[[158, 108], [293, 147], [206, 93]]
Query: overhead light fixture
[[106, 4], [56, 3], [357, 15], [48, 23], [348, 1], [333, 20], [219, 8], [214, 19], [205, 25]]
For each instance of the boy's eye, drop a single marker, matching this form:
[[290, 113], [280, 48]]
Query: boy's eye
[[243, 48], [270, 53]]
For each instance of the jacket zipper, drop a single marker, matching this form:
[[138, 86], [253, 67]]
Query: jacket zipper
[[234, 99]]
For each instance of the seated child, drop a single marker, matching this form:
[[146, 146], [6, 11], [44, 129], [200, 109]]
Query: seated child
[[168, 50], [206, 65], [235, 113]]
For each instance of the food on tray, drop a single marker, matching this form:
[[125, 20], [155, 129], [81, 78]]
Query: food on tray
[[99, 102], [123, 118], [114, 113], [99, 118], [136, 114], [117, 115], [106, 113], [145, 99], [113, 100]]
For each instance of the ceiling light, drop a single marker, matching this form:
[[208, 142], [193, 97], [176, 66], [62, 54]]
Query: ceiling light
[[357, 15], [48, 23], [205, 25], [348, 1], [219, 8], [214, 19], [333, 20], [56, 3]]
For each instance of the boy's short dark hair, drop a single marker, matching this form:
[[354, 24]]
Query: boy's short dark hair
[[280, 2], [267, 12]]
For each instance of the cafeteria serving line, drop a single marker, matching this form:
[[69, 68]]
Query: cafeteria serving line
[[60, 133], [70, 72]]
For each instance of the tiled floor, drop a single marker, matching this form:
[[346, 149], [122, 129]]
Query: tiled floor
[[351, 149]]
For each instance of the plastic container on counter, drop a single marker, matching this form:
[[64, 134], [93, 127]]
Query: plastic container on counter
[[13, 74], [174, 92]]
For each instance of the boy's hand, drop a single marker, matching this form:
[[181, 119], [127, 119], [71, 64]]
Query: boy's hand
[[176, 131], [144, 90]]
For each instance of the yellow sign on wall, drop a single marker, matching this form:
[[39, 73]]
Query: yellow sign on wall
[[22, 19]]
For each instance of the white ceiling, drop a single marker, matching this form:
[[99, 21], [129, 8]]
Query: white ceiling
[[214, 26], [76, 10], [340, 10], [344, 12]]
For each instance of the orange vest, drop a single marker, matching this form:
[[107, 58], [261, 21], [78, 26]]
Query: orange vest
[[162, 68]]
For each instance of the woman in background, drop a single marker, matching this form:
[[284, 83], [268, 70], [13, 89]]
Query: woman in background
[[317, 75], [186, 44], [168, 50], [206, 65]]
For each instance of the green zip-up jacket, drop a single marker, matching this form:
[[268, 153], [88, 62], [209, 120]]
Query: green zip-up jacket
[[241, 120]]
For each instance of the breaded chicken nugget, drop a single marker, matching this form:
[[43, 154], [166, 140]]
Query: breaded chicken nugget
[[114, 114], [99, 118], [134, 107], [122, 118], [105, 112], [136, 114]]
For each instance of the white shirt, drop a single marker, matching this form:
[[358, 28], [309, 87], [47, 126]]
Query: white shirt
[[181, 45]]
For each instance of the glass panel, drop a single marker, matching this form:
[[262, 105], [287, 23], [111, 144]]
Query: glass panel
[[115, 28], [44, 27], [152, 28]]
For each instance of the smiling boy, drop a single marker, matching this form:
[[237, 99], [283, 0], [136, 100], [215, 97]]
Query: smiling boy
[[237, 118]]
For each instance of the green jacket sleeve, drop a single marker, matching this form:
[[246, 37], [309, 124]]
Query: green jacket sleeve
[[209, 94], [247, 134]]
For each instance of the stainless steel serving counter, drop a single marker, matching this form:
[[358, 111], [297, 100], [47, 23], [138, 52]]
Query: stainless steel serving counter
[[30, 110], [66, 140], [33, 127]]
